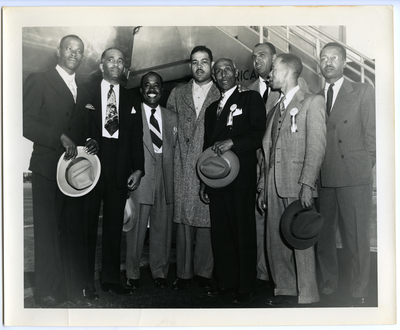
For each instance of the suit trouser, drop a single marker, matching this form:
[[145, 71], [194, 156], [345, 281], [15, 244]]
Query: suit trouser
[[193, 251], [349, 207], [160, 214], [262, 268], [233, 234], [114, 199], [293, 271], [59, 241]]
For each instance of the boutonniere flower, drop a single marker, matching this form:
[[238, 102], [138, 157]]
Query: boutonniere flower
[[175, 130], [89, 106], [293, 114], [133, 111]]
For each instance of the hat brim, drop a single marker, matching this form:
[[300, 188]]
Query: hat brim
[[219, 183], [129, 215], [62, 165], [295, 242]]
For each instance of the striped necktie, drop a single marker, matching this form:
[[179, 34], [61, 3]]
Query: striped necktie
[[155, 132]]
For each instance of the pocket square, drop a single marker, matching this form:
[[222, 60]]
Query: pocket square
[[89, 106], [133, 111], [237, 112]]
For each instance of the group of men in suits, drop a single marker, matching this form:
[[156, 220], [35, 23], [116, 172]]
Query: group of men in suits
[[290, 147]]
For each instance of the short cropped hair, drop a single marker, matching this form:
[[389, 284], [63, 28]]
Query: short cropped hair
[[271, 46], [292, 61], [337, 45], [153, 73], [202, 49], [70, 36], [104, 53]]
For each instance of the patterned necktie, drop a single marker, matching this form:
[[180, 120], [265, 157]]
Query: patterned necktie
[[220, 107], [282, 105], [329, 98], [265, 95], [111, 113], [155, 132]]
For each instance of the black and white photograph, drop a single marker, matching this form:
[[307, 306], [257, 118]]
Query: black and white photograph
[[159, 171]]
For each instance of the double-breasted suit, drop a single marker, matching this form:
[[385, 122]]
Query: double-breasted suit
[[49, 111], [153, 201], [292, 159], [346, 185], [190, 213], [233, 227], [119, 158]]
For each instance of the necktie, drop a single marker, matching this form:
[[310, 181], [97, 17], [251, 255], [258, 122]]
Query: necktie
[[220, 107], [155, 131], [265, 95], [329, 98], [72, 88], [111, 113], [282, 105]]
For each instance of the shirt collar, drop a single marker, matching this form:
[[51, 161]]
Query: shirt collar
[[147, 108], [337, 83], [196, 86], [105, 83], [289, 96], [229, 92], [64, 74]]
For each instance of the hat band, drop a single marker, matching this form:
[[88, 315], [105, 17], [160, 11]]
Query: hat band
[[292, 224]]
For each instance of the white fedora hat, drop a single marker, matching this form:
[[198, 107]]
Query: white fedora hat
[[77, 177]]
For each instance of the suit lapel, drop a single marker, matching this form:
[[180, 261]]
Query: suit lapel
[[62, 89], [96, 102], [148, 143], [296, 102], [340, 106], [212, 95], [167, 129]]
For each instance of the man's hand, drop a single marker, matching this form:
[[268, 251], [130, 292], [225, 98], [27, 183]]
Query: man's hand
[[134, 180], [70, 147], [306, 197], [203, 196], [261, 202], [91, 147], [222, 146]]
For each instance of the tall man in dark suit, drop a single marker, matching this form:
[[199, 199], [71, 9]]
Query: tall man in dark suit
[[346, 173], [117, 125], [294, 146], [55, 120], [233, 226], [153, 200]]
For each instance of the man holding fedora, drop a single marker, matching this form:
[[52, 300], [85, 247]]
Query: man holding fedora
[[116, 122], [234, 126], [153, 200], [55, 120], [294, 146]]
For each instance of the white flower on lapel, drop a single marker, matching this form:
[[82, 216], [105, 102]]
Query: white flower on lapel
[[233, 107], [89, 106], [175, 130], [133, 111], [293, 113]]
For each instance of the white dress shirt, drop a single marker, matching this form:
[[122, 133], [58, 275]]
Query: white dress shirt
[[335, 88], [199, 95]]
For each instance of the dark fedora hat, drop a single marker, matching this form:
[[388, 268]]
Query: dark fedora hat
[[217, 171], [77, 177], [301, 228]]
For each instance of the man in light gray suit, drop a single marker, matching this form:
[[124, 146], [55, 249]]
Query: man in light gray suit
[[346, 174], [294, 146], [155, 196]]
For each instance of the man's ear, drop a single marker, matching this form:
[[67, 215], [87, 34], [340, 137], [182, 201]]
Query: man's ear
[[101, 67], [273, 57], [236, 73], [58, 52]]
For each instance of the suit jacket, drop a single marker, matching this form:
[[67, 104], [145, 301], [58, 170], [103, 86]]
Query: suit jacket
[[351, 148], [49, 111], [130, 154], [298, 155], [144, 194], [246, 133], [189, 209]]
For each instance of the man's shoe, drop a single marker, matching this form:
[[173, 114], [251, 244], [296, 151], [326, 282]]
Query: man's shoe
[[203, 282], [79, 302], [90, 293], [180, 283], [219, 292], [132, 284], [244, 298], [281, 300], [161, 282], [118, 289], [358, 301], [47, 302], [262, 284]]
